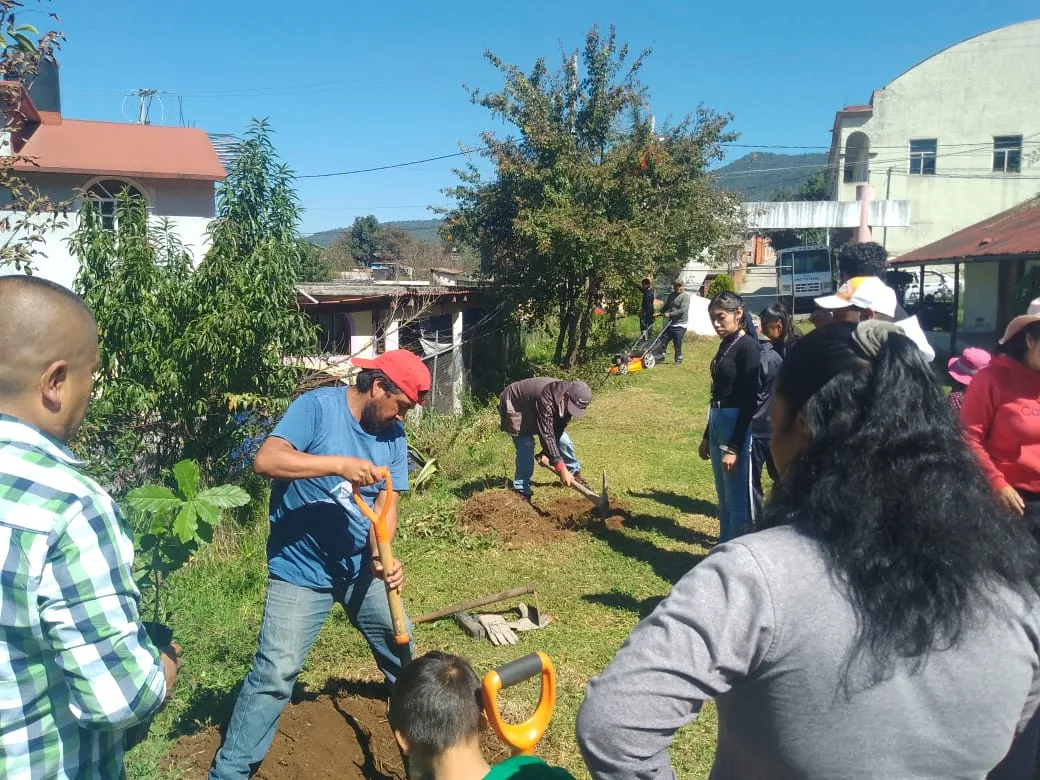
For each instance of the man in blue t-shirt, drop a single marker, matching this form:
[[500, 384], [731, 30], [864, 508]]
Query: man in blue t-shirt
[[321, 549]]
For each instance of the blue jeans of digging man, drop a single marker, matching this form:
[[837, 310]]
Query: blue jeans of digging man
[[732, 487], [525, 460], [292, 617]]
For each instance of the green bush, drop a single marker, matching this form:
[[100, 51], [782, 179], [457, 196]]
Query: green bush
[[720, 284]]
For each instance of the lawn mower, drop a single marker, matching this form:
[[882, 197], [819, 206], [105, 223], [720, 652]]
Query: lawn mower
[[641, 356]]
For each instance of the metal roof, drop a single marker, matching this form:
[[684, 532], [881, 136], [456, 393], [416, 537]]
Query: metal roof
[[1013, 232]]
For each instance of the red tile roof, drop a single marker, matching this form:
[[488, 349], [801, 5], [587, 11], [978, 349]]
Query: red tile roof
[[856, 109], [1012, 232], [117, 149]]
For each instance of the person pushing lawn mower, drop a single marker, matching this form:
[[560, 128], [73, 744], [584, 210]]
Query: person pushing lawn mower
[[676, 311], [543, 407]]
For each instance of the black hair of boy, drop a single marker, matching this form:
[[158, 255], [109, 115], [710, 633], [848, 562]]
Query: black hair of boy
[[869, 259], [436, 703]]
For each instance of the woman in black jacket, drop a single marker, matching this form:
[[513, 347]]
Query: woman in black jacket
[[734, 396], [781, 334]]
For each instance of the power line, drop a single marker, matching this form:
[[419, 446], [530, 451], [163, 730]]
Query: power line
[[384, 167]]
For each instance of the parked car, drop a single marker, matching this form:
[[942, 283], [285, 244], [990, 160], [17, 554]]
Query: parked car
[[937, 284]]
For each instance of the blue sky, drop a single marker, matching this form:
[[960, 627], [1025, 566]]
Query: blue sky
[[357, 85]]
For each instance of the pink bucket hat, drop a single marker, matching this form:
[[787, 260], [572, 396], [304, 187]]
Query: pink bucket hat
[[971, 361]]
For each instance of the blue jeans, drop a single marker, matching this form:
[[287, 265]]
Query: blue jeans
[[732, 487], [292, 617], [525, 460]]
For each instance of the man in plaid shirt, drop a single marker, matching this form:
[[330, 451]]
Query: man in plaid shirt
[[76, 667]]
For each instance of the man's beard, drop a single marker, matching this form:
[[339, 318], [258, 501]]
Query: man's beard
[[370, 423]]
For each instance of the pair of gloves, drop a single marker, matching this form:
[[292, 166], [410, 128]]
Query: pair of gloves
[[503, 632]]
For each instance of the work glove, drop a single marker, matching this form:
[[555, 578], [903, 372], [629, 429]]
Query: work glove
[[528, 618], [497, 630]]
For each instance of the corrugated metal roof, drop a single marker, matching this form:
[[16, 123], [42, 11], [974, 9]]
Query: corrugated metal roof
[[1012, 232]]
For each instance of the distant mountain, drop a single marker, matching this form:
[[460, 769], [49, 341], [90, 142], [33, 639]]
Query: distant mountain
[[422, 229], [760, 175]]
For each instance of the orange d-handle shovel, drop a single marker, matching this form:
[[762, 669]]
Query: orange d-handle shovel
[[386, 557], [521, 737]]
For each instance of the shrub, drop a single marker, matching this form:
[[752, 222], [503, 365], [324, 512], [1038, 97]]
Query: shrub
[[720, 284]]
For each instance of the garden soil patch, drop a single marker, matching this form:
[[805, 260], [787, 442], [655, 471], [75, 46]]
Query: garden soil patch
[[546, 519], [335, 735]]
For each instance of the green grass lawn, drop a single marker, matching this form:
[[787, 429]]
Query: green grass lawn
[[643, 430]]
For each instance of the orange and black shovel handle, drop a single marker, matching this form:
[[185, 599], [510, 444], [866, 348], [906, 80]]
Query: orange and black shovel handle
[[386, 557], [521, 737]]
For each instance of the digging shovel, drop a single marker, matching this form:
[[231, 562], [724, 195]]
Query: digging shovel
[[600, 500], [386, 557]]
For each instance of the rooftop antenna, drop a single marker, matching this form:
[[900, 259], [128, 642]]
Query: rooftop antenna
[[144, 98]]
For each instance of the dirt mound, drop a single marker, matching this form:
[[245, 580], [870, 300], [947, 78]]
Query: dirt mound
[[333, 735], [546, 519], [338, 734]]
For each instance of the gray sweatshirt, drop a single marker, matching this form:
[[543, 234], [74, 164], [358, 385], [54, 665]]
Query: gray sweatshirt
[[677, 307], [760, 627]]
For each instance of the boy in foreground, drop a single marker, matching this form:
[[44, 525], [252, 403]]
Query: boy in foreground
[[437, 714]]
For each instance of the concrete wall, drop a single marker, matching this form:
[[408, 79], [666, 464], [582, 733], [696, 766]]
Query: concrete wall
[[361, 331], [981, 293], [189, 205], [963, 97]]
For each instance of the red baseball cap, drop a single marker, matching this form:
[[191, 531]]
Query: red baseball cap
[[404, 369]]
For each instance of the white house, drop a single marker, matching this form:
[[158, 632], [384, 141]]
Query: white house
[[174, 168], [958, 137]]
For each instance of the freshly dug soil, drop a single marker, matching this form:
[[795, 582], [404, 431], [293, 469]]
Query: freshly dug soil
[[336, 735], [550, 517]]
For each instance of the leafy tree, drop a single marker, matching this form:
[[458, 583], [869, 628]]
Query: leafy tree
[[362, 240], [815, 188], [29, 216], [313, 265], [586, 197], [183, 351], [340, 256]]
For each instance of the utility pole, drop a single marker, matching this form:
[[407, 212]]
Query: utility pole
[[573, 79], [888, 192], [144, 97]]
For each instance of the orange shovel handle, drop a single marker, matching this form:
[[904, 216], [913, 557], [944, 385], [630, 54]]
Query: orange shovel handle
[[521, 737], [386, 556]]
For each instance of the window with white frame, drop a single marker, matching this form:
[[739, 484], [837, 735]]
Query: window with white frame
[[107, 192], [1007, 154], [922, 156]]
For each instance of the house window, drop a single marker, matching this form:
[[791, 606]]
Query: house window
[[107, 193], [857, 158], [922, 156], [333, 333], [1007, 154]]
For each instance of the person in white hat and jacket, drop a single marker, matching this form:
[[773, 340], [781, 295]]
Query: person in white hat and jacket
[[869, 298]]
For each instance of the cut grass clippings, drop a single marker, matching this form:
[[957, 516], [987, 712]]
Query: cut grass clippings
[[596, 581]]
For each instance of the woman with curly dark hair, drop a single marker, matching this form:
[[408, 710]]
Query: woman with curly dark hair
[[885, 624]]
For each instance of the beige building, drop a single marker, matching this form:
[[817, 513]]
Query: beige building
[[957, 136]]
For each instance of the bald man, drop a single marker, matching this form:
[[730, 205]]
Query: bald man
[[76, 664]]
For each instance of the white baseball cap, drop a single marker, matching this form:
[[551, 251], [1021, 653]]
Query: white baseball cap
[[863, 292]]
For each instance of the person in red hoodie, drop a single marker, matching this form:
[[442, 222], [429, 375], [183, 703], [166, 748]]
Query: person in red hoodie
[[1001, 416]]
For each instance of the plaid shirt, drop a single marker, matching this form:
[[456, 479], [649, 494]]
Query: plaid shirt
[[76, 667]]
